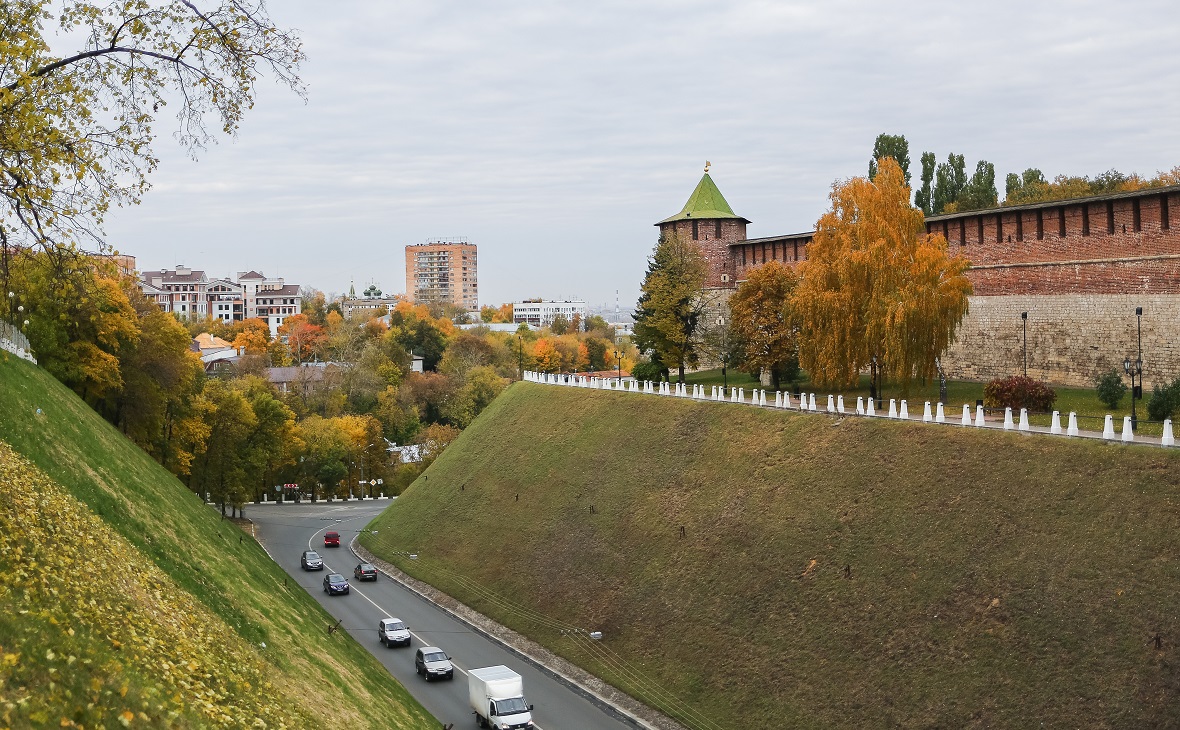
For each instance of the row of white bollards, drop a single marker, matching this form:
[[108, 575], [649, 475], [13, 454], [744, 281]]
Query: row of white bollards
[[835, 404]]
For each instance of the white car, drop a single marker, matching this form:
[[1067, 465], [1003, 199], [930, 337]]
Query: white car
[[393, 632]]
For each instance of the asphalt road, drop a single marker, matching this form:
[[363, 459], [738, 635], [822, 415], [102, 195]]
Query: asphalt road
[[288, 530]]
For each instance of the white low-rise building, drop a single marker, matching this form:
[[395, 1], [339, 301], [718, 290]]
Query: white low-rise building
[[542, 312]]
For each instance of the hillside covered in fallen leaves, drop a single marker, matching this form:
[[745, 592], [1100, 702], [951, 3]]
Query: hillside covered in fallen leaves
[[125, 601]]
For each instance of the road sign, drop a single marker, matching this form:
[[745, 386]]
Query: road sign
[[372, 482]]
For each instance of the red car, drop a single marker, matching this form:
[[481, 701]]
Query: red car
[[332, 539]]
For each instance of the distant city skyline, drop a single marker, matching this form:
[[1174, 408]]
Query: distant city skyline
[[554, 137]]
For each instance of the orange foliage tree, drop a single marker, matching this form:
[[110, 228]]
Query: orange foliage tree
[[875, 285], [759, 315], [547, 356], [304, 339], [254, 337]]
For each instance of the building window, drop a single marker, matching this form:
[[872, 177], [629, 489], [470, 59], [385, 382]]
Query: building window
[[1165, 224], [1110, 217], [962, 231], [1019, 226], [999, 227], [694, 231], [1061, 221], [1085, 220], [1136, 221], [979, 221], [1040, 225], [717, 229]]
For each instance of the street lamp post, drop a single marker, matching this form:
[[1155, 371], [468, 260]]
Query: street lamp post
[[520, 356], [619, 357], [874, 391], [1024, 320], [1135, 369]]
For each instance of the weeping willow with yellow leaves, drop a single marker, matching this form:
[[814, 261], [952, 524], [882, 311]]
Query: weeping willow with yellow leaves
[[876, 285], [76, 127]]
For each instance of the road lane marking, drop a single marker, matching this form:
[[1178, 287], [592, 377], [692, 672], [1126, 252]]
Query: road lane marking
[[387, 613]]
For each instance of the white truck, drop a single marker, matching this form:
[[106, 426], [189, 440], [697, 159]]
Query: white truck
[[497, 696]]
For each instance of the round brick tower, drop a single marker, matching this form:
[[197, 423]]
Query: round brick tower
[[707, 219]]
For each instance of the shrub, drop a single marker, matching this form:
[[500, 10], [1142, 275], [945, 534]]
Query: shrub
[[1017, 392], [1164, 401], [1110, 387], [647, 370]]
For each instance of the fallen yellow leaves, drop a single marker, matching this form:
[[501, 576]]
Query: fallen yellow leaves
[[96, 635]]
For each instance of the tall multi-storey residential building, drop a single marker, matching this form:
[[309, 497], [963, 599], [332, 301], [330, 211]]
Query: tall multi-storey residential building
[[444, 270], [542, 312]]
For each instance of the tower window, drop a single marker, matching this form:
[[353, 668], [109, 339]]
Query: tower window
[[695, 233], [999, 228], [1061, 221], [1110, 217], [1085, 220], [1165, 224], [1136, 221], [717, 229]]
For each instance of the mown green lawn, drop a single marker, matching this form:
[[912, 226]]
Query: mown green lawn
[[775, 569], [1083, 401]]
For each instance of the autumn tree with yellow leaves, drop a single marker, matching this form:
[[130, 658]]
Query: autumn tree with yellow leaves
[[876, 288], [77, 127]]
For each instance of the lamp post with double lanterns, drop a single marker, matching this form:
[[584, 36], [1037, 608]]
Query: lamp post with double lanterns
[[520, 355], [1135, 369], [619, 358]]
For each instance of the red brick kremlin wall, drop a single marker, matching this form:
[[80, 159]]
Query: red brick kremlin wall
[[1080, 268]]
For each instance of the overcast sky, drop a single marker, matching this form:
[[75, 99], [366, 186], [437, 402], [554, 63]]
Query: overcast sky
[[553, 135]]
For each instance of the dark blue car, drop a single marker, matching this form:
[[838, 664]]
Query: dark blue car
[[335, 584]]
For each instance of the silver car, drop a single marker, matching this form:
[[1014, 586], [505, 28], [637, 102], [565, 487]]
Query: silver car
[[393, 632]]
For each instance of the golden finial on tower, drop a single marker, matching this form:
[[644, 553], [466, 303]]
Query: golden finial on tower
[[707, 163]]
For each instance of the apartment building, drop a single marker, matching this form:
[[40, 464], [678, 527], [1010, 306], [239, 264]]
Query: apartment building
[[444, 270], [542, 312], [191, 294]]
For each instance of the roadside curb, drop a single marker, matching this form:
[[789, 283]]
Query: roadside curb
[[592, 688]]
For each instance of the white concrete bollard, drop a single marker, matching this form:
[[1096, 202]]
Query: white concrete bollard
[[893, 408], [786, 400], [1167, 439], [927, 413], [1073, 425], [940, 413], [1023, 426], [762, 398], [840, 404], [1128, 431], [811, 402], [1055, 427], [966, 415], [979, 417], [778, 399], [860, 405], [872, 408], [1007, 419], [1108, 427], [831, 404], [904, 413]]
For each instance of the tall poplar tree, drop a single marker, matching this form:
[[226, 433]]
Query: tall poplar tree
[[876, 285], [670, 306], [891, 145], [924, 197]]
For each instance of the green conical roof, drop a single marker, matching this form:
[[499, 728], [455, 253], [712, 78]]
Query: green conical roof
[[705, 203]]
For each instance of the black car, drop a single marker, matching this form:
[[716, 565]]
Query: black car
[[364, 571], [311, 560], [335, 584]]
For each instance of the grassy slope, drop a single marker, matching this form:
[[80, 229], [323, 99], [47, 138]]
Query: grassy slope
[[996, 579], [333, 676]]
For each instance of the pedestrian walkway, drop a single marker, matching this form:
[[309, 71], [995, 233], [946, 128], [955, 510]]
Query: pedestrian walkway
[[932, 413]]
